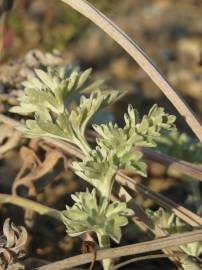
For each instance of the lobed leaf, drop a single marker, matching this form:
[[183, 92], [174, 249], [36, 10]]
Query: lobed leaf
[[87, 215], [172, 224]]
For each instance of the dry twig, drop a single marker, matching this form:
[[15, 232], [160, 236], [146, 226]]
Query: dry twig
[[144, 222], [154, 245]]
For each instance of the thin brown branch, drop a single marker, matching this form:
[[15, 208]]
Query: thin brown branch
[[181, 166], [183, 213], [98, 18], [142, 220], [134, 249]]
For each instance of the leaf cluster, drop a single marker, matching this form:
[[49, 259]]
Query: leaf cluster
[[49, 90], [46, 96], [172, 224], [181, 146], [90, 215], [115, 147]]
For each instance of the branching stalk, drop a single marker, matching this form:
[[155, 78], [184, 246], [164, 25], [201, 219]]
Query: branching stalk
[[83, 145], [134, 249]]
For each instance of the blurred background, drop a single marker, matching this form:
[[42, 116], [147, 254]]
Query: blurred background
[[169, 31]]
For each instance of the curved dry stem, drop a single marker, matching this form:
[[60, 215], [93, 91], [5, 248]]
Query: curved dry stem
[[98, 18], [31, 205]]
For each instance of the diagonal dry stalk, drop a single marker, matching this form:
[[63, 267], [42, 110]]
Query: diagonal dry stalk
[[134, 249], [184, 167], [98, 18], [144, 222], [183, 213]]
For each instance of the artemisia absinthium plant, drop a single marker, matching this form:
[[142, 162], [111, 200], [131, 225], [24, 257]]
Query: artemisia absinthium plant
[[170, 223], [45, 97]]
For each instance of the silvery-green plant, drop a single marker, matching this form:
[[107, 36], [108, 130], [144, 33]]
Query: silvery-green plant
[[181, 146], [92, 214], [45, 98], [172, 224]]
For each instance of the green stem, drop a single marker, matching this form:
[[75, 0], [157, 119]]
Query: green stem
[[196, 195], [197, 198], [107, 183], [189, 264], [85, 148], [31, 205], [83, 145], [104, 243]]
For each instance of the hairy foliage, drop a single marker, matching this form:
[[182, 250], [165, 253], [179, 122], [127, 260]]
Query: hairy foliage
[[181, 146], [50, 90], [88, 214], [172, 224], [46, 96], [115, 147], [45, 99]]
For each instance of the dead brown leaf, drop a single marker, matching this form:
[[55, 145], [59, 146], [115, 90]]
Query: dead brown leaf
[[12, 245], [9, 138], [33, 168]]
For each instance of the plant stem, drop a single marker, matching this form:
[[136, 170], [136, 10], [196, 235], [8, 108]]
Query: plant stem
[[83, 145], [196, 195], [134, 249], [107, 184], [31, 205], [189, 264], [104, 243]]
